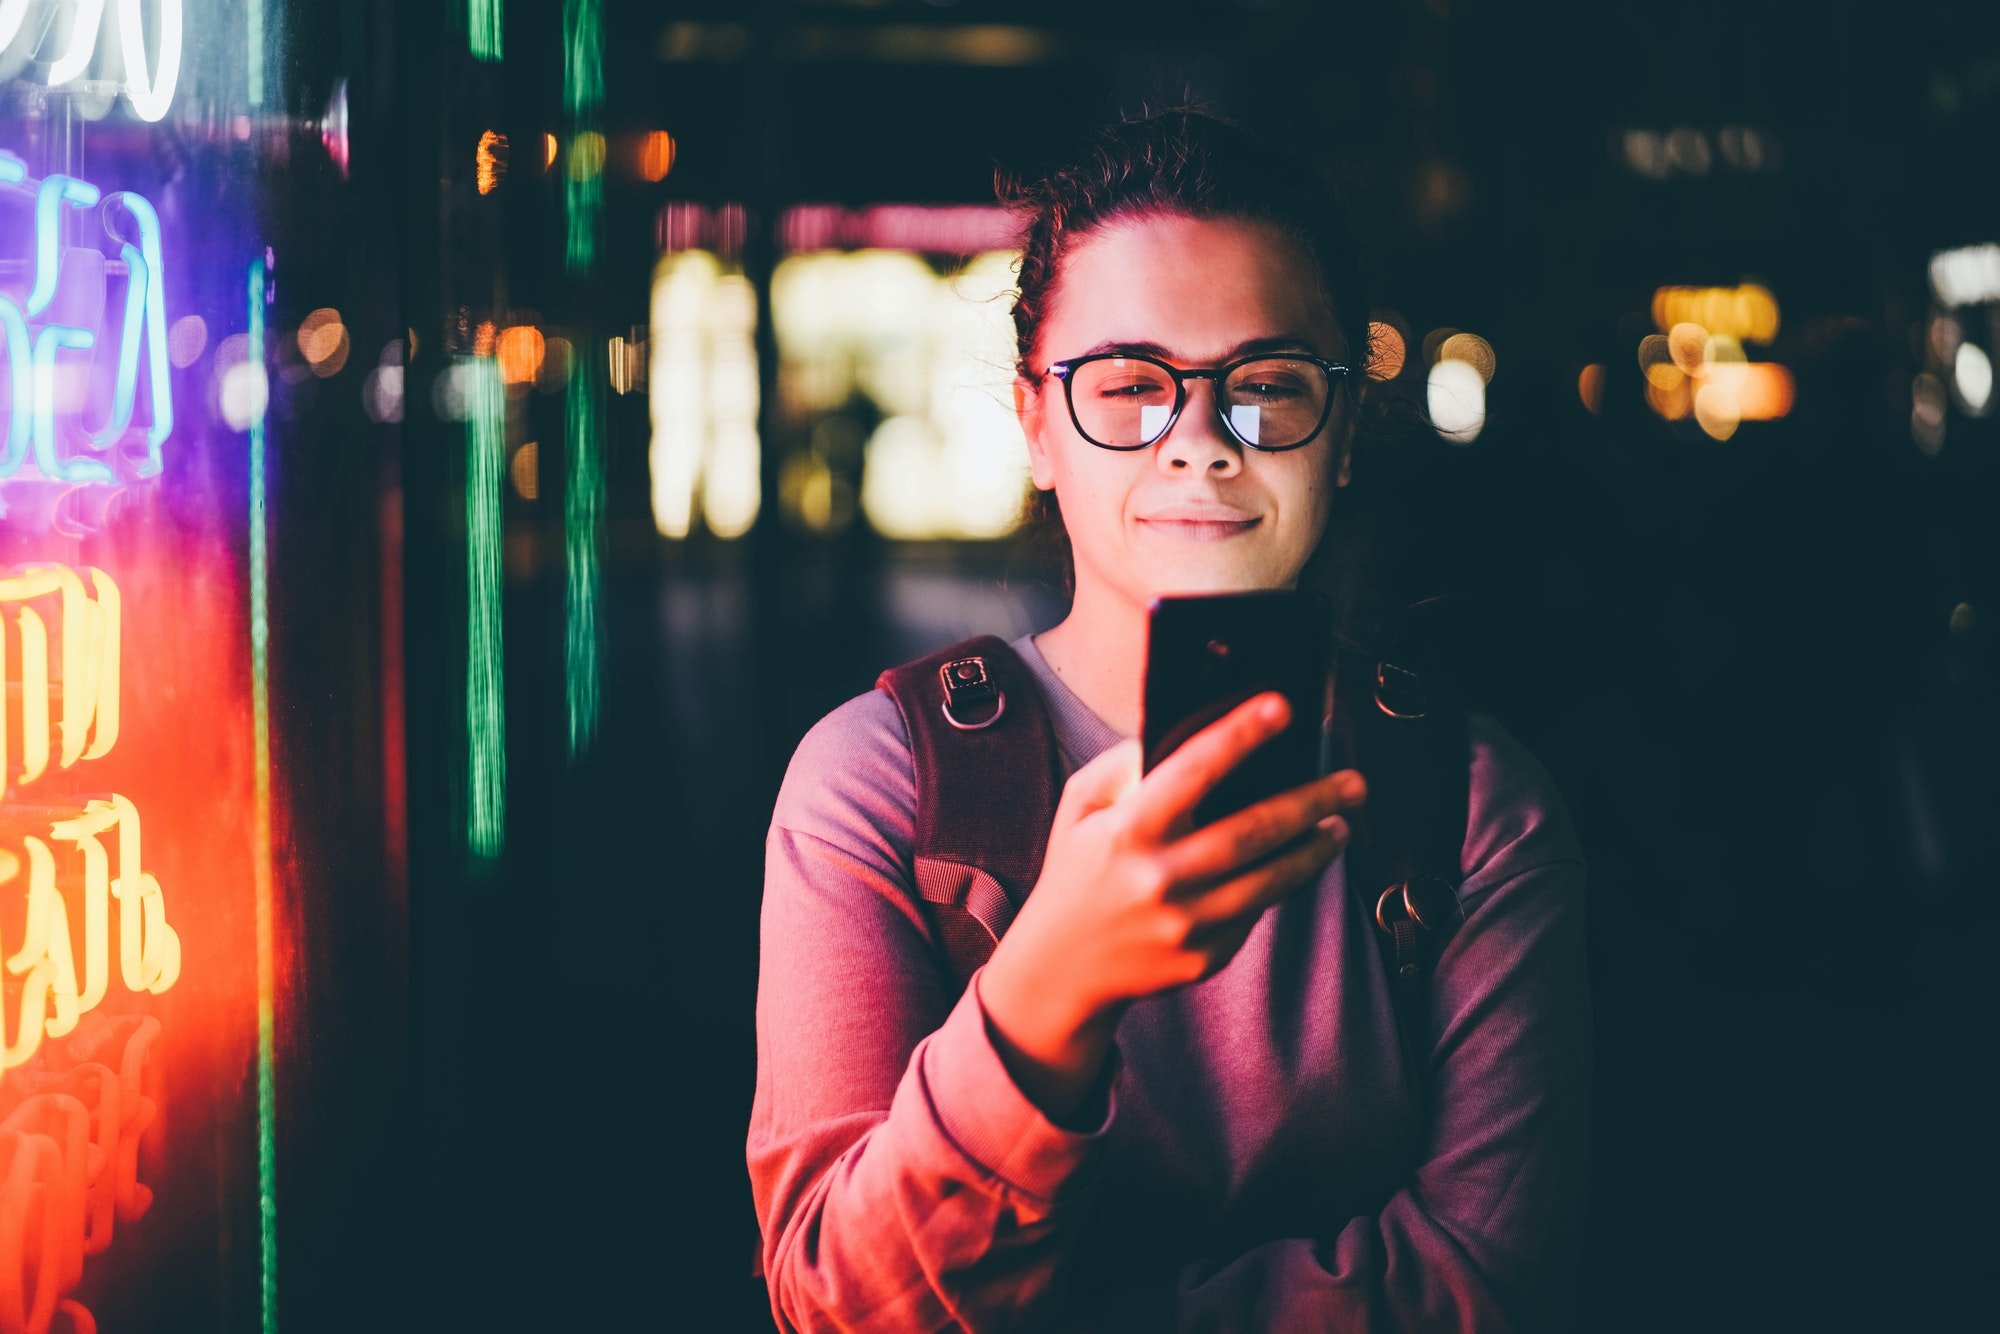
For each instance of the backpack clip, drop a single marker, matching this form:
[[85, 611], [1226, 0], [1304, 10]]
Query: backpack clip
[[1399, 692], [1423, 904], [967, 684]]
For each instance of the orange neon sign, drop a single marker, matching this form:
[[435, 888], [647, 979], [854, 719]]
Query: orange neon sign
[[78, 1088]]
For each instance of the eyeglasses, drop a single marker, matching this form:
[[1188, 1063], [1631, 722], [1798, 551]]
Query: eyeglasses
[[1127, 400]]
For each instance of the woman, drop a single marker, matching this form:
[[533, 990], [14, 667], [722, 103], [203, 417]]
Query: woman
[[1174, 1097]]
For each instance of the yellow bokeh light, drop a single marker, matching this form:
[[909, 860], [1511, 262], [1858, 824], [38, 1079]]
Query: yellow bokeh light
[[1673, 404], [1748, 313], [548, 151], [586, 155], [1685, 342], [1471, 349], [524, 471]]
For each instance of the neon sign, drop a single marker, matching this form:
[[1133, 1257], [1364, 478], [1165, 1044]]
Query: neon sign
[[49, 391], [148, 82], [78, 1087]]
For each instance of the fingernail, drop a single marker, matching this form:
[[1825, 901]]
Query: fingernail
[[1272, 709]]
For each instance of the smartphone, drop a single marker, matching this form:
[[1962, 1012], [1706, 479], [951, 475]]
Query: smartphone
[[1206, 654]]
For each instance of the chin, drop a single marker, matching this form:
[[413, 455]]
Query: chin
[[1210, 579]]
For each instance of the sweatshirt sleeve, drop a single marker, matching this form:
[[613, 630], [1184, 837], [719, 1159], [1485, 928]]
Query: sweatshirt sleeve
[[1486, 1232], [902, 1180]]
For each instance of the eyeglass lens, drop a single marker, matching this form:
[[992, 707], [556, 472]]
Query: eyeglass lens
[[1272, 402]]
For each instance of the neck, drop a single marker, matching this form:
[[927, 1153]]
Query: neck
[[1099, 651]]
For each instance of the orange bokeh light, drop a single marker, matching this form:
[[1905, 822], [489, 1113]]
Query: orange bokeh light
[[520, 348], [1590, 388], [656, 155]]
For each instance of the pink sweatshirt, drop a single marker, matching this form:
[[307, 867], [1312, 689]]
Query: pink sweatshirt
[[1260, 1164]]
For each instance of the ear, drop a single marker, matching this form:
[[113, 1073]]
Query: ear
[[1028, 411], [1345, 444]]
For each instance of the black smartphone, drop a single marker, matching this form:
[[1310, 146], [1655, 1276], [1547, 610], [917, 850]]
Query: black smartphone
[[1206, 654]]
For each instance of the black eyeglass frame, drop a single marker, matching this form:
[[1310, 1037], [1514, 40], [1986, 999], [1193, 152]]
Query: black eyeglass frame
[[1336, 376]]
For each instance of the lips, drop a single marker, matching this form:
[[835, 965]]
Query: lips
[[1200, 523]]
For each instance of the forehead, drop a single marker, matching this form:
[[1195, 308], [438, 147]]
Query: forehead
[[1197, 286]]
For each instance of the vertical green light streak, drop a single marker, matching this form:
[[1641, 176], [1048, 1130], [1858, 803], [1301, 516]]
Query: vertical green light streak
[[485, 694], [583, 530], [260, 715], [583, 58], [583, 96], [254, 44], [482, 28]]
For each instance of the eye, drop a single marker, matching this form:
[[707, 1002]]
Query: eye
[[1131, 388], [1270, 387]]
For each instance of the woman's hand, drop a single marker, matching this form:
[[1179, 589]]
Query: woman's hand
[[1129, 904]]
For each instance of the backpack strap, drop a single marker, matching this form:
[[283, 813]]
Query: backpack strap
[[1407, 734], [987, 783]]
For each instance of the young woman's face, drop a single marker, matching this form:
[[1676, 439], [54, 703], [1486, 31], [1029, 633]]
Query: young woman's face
[[1195, 512]]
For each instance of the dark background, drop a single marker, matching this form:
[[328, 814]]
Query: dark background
[[1740, 659]]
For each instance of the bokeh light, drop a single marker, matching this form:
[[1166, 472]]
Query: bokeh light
[[186, 338], [523, 471], [322, 341], [656, 155], [1927, 413], [1685, 343], [1457, 400], [1590, 388], [552, 373], [245, 392], [1471, 349], [586, 156], [490, 162], [1386, 351], [520, 350], [1972, 378]]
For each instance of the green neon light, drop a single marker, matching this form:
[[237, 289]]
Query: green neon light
[[583, 96], [583, 203], [482, 28], [583, 536], [485, 692], [254, 45], [583, 58], [260, 713]]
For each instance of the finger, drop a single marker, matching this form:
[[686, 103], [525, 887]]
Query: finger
[[1197, 765], [1272, 879], [1233, 842], [1101, 782]]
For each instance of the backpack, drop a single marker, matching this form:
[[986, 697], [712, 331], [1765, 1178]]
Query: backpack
[[988, 778]]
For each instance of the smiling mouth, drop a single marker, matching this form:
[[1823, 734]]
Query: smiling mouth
[[1202, 530]]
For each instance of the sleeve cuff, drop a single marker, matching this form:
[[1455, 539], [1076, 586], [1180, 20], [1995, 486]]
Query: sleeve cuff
[[985, 1113]]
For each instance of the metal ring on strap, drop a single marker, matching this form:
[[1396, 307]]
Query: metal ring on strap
[[999, 707], [1431, 885]]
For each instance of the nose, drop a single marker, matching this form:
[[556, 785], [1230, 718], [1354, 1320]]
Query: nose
[[1196, 443]]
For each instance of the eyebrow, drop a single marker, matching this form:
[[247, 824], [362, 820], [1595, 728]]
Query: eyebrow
[[1250, 348]]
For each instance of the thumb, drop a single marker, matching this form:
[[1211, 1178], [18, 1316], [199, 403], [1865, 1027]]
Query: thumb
[[1101, 782]]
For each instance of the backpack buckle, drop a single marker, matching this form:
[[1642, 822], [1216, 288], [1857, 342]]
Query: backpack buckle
[[968, 685], [1399, 692], [1426, 900]]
